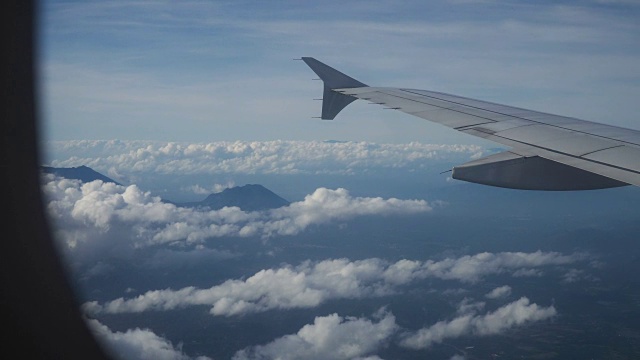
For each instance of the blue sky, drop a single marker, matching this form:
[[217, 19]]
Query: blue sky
[[200, 71]]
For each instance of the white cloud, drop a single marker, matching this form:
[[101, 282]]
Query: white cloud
[[513, 314], [250, 157], [326, 205], [137, 344], [215, 188], [304, 286], [313, 283], [100, 215], [499, 292], [329, 337], [466, 306], [470, 268], [335, 337]]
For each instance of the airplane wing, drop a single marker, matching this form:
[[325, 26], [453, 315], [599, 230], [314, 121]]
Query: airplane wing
[[547, 152]]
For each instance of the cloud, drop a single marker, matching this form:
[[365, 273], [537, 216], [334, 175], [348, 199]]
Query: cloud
[[304, 286], [470, 268], [326, 205], [466, 306], [572, 275], [513, 314], [329, 337], [138, 344], [499, 292], [92, 214], [336, 337], [250, 157], [313, 283], [215, 188], [527, 273]]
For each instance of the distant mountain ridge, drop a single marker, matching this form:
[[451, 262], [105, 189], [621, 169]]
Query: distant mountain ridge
[[250, 197], [82, 173]]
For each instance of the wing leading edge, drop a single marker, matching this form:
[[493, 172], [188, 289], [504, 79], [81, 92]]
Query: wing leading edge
[[548, 152]]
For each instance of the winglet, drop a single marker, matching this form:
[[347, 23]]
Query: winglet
[[332, 102]]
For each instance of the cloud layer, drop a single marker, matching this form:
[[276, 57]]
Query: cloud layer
[[138, 344], [499, 292], [96, 212], [329, 337], [513, 314], [336, 337], [127, 158], [313, 283]]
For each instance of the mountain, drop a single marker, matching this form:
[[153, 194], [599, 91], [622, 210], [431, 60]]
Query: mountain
[[82, 173], [251, 197]]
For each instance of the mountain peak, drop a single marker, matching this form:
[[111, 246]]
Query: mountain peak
[[250, 197], [82, 173]]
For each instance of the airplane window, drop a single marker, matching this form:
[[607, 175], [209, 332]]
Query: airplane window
[[465, 185]]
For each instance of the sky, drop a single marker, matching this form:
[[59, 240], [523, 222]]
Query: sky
[[380, 254], [200, 71]]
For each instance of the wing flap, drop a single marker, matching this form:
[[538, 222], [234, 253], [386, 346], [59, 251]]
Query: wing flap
[[502, 125], [513, 171], [608, 170], [451, 119], [625, 157], [558, 139]]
